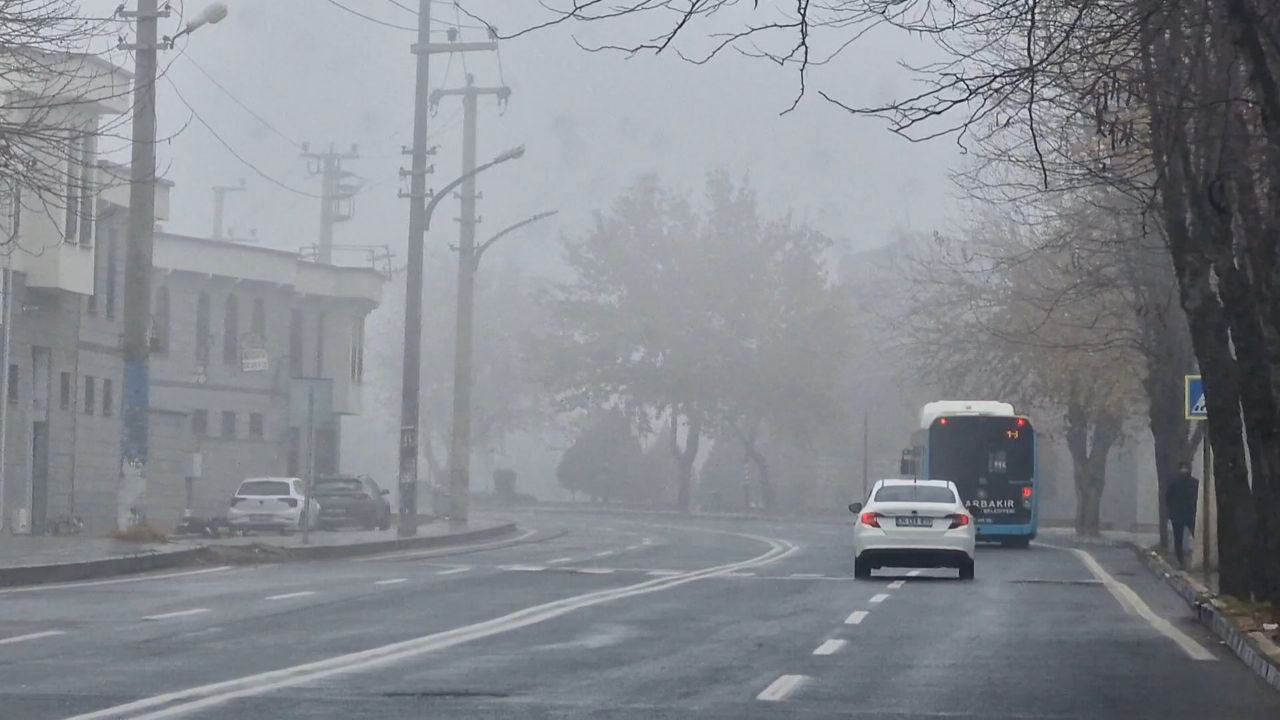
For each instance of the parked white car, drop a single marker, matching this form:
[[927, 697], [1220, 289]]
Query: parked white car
[[271, 503], [913, 523]]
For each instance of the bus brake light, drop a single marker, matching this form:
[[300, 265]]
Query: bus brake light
[[942, 421], [1021, 422], [1026, 492]]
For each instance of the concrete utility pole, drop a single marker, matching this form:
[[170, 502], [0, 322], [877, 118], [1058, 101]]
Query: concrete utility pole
[[460, 441], [333, 191], [220, 203], [134, 400], [419, 219]]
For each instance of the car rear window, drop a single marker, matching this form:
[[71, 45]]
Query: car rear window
[[917, 493], [339, 485], [264, 487]]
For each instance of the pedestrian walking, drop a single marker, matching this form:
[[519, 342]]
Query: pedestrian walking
[[1180, 501]]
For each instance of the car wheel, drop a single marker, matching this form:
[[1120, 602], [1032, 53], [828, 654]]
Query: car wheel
[[386, 524], [966, 570], [861, 568]]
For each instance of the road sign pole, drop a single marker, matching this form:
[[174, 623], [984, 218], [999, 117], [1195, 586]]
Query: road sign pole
[[1206, 477]]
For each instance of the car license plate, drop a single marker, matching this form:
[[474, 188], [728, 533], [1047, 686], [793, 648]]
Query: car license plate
[[913, 521]]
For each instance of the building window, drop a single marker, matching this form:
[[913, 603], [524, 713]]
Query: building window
[[320, 330], [110, 270], [78, 222], [202, 329], [108, 400], [259, 318], [295, 343], [200, 423], [228, 424], [231, 331], [64, 391], [357, 349], [255, 426], [13, 384], [88, 395], [160, 322]]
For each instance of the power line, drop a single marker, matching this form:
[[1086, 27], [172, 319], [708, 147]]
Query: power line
[[261, 173], [370, 18], [266, 123]]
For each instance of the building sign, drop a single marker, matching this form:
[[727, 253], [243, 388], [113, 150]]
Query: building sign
[[253, 353]]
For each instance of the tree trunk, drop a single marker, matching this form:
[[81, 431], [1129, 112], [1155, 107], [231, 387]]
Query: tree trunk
[[750, 448], [685, 456]]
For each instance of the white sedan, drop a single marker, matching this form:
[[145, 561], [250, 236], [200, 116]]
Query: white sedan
[[913, 523], [272, 503]]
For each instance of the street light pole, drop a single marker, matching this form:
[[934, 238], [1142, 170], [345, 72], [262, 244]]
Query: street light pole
[[136, 346]]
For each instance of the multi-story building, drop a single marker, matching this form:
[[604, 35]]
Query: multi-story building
[[241, 336]]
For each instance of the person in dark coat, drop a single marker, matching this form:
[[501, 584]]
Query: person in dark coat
[[1180, 500]]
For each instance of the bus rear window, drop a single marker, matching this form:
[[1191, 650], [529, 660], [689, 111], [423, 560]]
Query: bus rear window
[[915, 493]]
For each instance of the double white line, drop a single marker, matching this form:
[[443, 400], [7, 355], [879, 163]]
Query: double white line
[[193, 699]]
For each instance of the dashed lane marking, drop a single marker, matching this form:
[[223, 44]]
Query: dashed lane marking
[[605, 553], [287, 596], [594, 571], [896, 584], [879, 597], [454, 571], [830, 647], [557, 561], [782, 687], [522, 568], [31, 636], [856, 617], [391, 581], [177, 614]]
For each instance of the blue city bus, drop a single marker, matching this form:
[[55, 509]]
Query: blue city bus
[[990, 453]]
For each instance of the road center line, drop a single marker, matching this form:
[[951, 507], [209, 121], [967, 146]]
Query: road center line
[[286, 596], [879, 597], [193, 699], [1134, 604], [176, 614], [856, 617], [830, 647], [116, 581], [391, 581], [782, 687], [447, 549], [31, 636], [896, 584]]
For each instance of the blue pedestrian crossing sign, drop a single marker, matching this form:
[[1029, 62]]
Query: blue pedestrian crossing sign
[[1194, 398]]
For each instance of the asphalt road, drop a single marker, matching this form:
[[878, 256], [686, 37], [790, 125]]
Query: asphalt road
[[606, 616]]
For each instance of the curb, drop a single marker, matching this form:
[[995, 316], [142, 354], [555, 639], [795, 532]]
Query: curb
[[1251, 648], [834, 519], [132, 564]]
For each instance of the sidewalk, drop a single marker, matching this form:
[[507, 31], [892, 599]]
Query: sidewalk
[[35, 559], [1115, 538]]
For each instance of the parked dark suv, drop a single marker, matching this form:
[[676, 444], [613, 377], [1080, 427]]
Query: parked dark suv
[[352, 500]]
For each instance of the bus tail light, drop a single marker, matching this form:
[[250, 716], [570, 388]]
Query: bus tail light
[[958, 520], [871, 519], [1026, 493]]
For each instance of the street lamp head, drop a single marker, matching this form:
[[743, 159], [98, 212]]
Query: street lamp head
[[211, 15], [514, 153]]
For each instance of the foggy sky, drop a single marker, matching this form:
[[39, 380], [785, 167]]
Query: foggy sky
[[591, 123]]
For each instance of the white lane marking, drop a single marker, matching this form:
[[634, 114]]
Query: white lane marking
[[557, 561], [522, 568], [182, 702], [446, 550], [782, 687], [178, 613], [1132, 603], [391, 581], [606, 553], [914, 573], [454, 571], [856, 617], [646, 541], [116, 581], [594, 571], [667, 573], [286, 596], [634, 547], [740, 574], [830, 647], [31, 636], [879, 597], [806, 575], [896, 584]]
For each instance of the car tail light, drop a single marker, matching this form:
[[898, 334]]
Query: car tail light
[[871, 519], [291, 502], [958, 520]]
